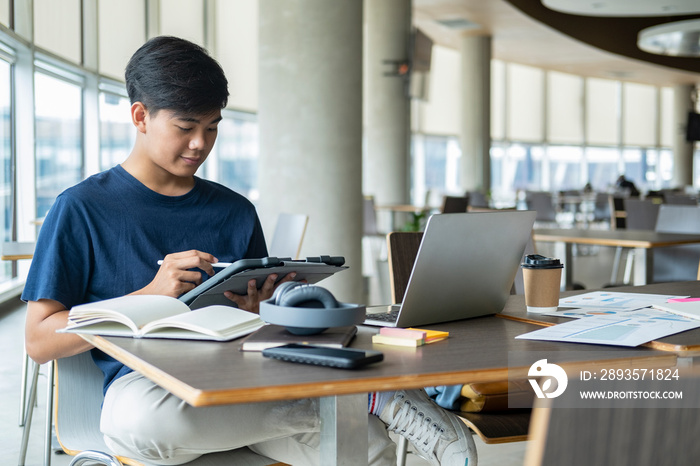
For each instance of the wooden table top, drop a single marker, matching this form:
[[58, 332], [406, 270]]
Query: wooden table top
[[625, 238], [688, 341], [478, 350]]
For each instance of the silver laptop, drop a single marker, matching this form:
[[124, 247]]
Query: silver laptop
[[465, 268]]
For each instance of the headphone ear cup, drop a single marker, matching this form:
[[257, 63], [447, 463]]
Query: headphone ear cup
[[308, 296], [283, 289]]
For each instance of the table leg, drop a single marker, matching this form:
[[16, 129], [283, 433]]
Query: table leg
[[344, 430], [643, 266]]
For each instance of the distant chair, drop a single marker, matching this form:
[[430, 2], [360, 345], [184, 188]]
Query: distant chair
[[288, 236], [601, 208], [641, 214], [454, 204], [617, 211], [477, 199], [543, 204], [677, 263]]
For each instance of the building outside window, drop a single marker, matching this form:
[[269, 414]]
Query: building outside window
[[59, 144]]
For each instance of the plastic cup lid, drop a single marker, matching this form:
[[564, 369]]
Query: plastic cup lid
[[538, 261]]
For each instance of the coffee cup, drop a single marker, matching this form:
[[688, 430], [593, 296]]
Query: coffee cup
[[541, 280]]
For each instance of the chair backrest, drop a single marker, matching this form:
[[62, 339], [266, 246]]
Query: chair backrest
[[678, 219], [543, 204], [402, 247], [477, 199], [454, 204], [78, 405], [677, 263], [288, 236], [601, 207], [617, 211], [647, 435], [641, 214]]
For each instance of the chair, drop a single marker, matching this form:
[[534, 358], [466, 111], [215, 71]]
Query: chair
[[288, 235], [491, 427], [454, 204], [677, 263], [624, 436], [617, 211], [601, 208], [543, 204], [640, 214], [477, 199], [78, 399]]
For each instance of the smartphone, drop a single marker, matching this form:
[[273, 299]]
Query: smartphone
[[343, 358]]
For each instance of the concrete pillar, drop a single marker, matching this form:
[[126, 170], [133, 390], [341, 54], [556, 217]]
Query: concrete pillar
[[475, 135], [682, 149], [310, 123], [387, 105]]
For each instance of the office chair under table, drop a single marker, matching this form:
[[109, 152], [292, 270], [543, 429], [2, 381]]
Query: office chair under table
[[78, 399]]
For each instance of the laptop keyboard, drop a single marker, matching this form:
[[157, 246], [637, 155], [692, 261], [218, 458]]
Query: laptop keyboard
[[390, 316]]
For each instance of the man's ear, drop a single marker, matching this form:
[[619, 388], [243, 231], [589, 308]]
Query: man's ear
[[139, 113]]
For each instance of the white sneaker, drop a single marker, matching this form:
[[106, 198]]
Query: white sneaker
[[438, 435]]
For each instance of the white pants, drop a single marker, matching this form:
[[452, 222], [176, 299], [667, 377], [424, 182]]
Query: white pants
[[142, 421]]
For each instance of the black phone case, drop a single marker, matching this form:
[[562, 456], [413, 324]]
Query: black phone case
[[341, 358]]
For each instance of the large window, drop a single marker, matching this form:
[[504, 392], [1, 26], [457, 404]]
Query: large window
[[58, 105], [6, 183], [117, 133], [237, 153]]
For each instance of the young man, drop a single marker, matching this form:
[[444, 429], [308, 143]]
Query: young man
[[103, 238]]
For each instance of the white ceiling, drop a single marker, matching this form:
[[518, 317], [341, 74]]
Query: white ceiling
[[518, 38]]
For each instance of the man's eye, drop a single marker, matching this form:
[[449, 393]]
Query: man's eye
[[184, 129], [213, 129]]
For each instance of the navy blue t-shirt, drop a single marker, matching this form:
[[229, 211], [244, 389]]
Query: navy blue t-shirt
[[103, 238]]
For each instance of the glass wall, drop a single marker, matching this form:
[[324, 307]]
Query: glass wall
[[6, 161], [59, 141], [117, 132], [236, 153]]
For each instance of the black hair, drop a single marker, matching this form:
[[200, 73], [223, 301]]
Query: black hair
[[175, 74]]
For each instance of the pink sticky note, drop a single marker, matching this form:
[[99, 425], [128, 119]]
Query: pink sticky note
[[682, 300]]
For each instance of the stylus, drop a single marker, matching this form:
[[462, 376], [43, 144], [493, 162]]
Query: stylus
[[218, 264]]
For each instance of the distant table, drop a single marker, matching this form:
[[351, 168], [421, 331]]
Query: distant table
[[13, 251], [642, 241]]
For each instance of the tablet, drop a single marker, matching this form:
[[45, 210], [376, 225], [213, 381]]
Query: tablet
[[236, 276]]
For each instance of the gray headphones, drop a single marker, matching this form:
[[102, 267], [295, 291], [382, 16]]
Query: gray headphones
[[305, 309]]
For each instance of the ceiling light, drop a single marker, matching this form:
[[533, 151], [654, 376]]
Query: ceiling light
[[678, 39], [459, 24], [624, 7]]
